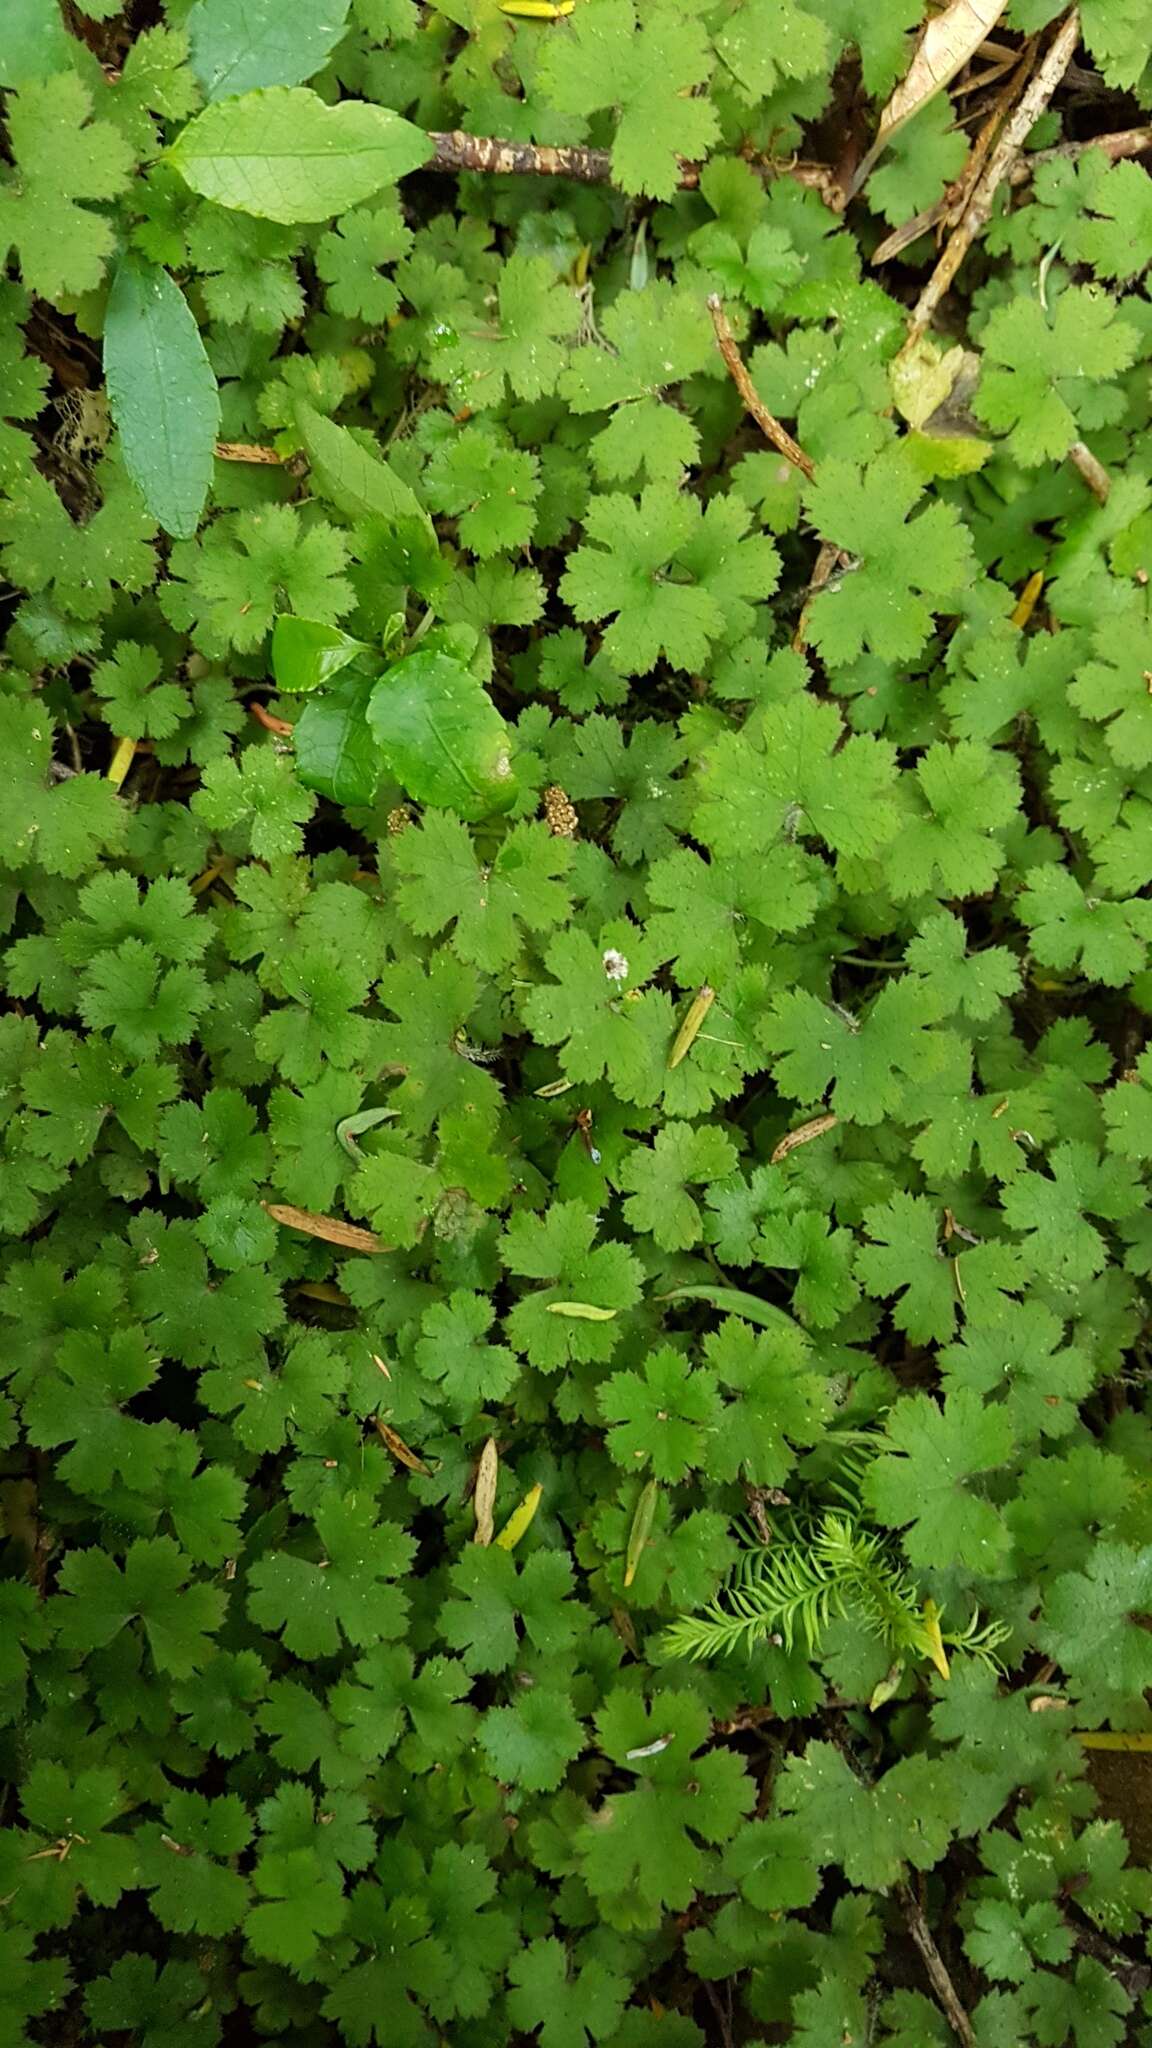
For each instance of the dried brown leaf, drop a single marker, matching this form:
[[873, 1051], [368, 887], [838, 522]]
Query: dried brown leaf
[[402, 1452], [803, 1135], [331, 1228], [484, 1493]]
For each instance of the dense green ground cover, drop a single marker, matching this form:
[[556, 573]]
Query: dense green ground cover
[[652, 802]]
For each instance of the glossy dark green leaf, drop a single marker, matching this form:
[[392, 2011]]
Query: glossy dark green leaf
[[441, 736], [162, 394], [336, 754], [306, 653]]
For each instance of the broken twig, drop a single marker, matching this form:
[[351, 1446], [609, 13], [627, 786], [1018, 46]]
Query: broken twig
[[936, 1967], [767, 422], [978, 211]]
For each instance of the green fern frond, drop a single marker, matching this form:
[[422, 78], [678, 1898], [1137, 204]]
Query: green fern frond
[[980, 1638], [789, 1593]]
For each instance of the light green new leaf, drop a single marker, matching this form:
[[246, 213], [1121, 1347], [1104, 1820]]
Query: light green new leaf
[[306, 653], [284, 155], [162, 394], [240, 44]]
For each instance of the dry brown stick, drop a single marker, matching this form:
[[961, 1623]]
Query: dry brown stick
[[1123, 142], [829, 560], [978, 211], [767, 421], [456, 150], [935, 1966], [951, 205]]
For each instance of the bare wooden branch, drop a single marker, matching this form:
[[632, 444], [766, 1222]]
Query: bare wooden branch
[[934, 1964], [455, 150], [458, 151], [767, 422], [1123, 142], [978, 211]]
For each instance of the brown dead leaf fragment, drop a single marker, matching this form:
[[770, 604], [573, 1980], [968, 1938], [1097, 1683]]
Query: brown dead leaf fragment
[[245, 451], [803, 1135], [402, 1452], [948, 41], [331, 1228]]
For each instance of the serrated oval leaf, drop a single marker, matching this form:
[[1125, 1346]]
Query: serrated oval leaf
[[306, 653], [35, 42], [442, 737], [237, 45], [336, 753], [162, 394], [282, 154]]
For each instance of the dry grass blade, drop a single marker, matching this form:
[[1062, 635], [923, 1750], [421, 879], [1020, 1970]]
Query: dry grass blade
[[978, 210], [948, 41]]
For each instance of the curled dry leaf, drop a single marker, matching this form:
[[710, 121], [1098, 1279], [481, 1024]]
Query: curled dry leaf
[[484, 1493]]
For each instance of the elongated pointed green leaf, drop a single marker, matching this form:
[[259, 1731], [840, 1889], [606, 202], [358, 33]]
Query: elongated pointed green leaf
[[306, 653], [162, 394], [284, 155], [238, 45], [336, 753], [442, 737], [735, 1302], [358, 483]]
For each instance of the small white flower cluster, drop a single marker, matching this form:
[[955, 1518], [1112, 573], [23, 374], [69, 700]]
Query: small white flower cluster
[[615, 965]]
